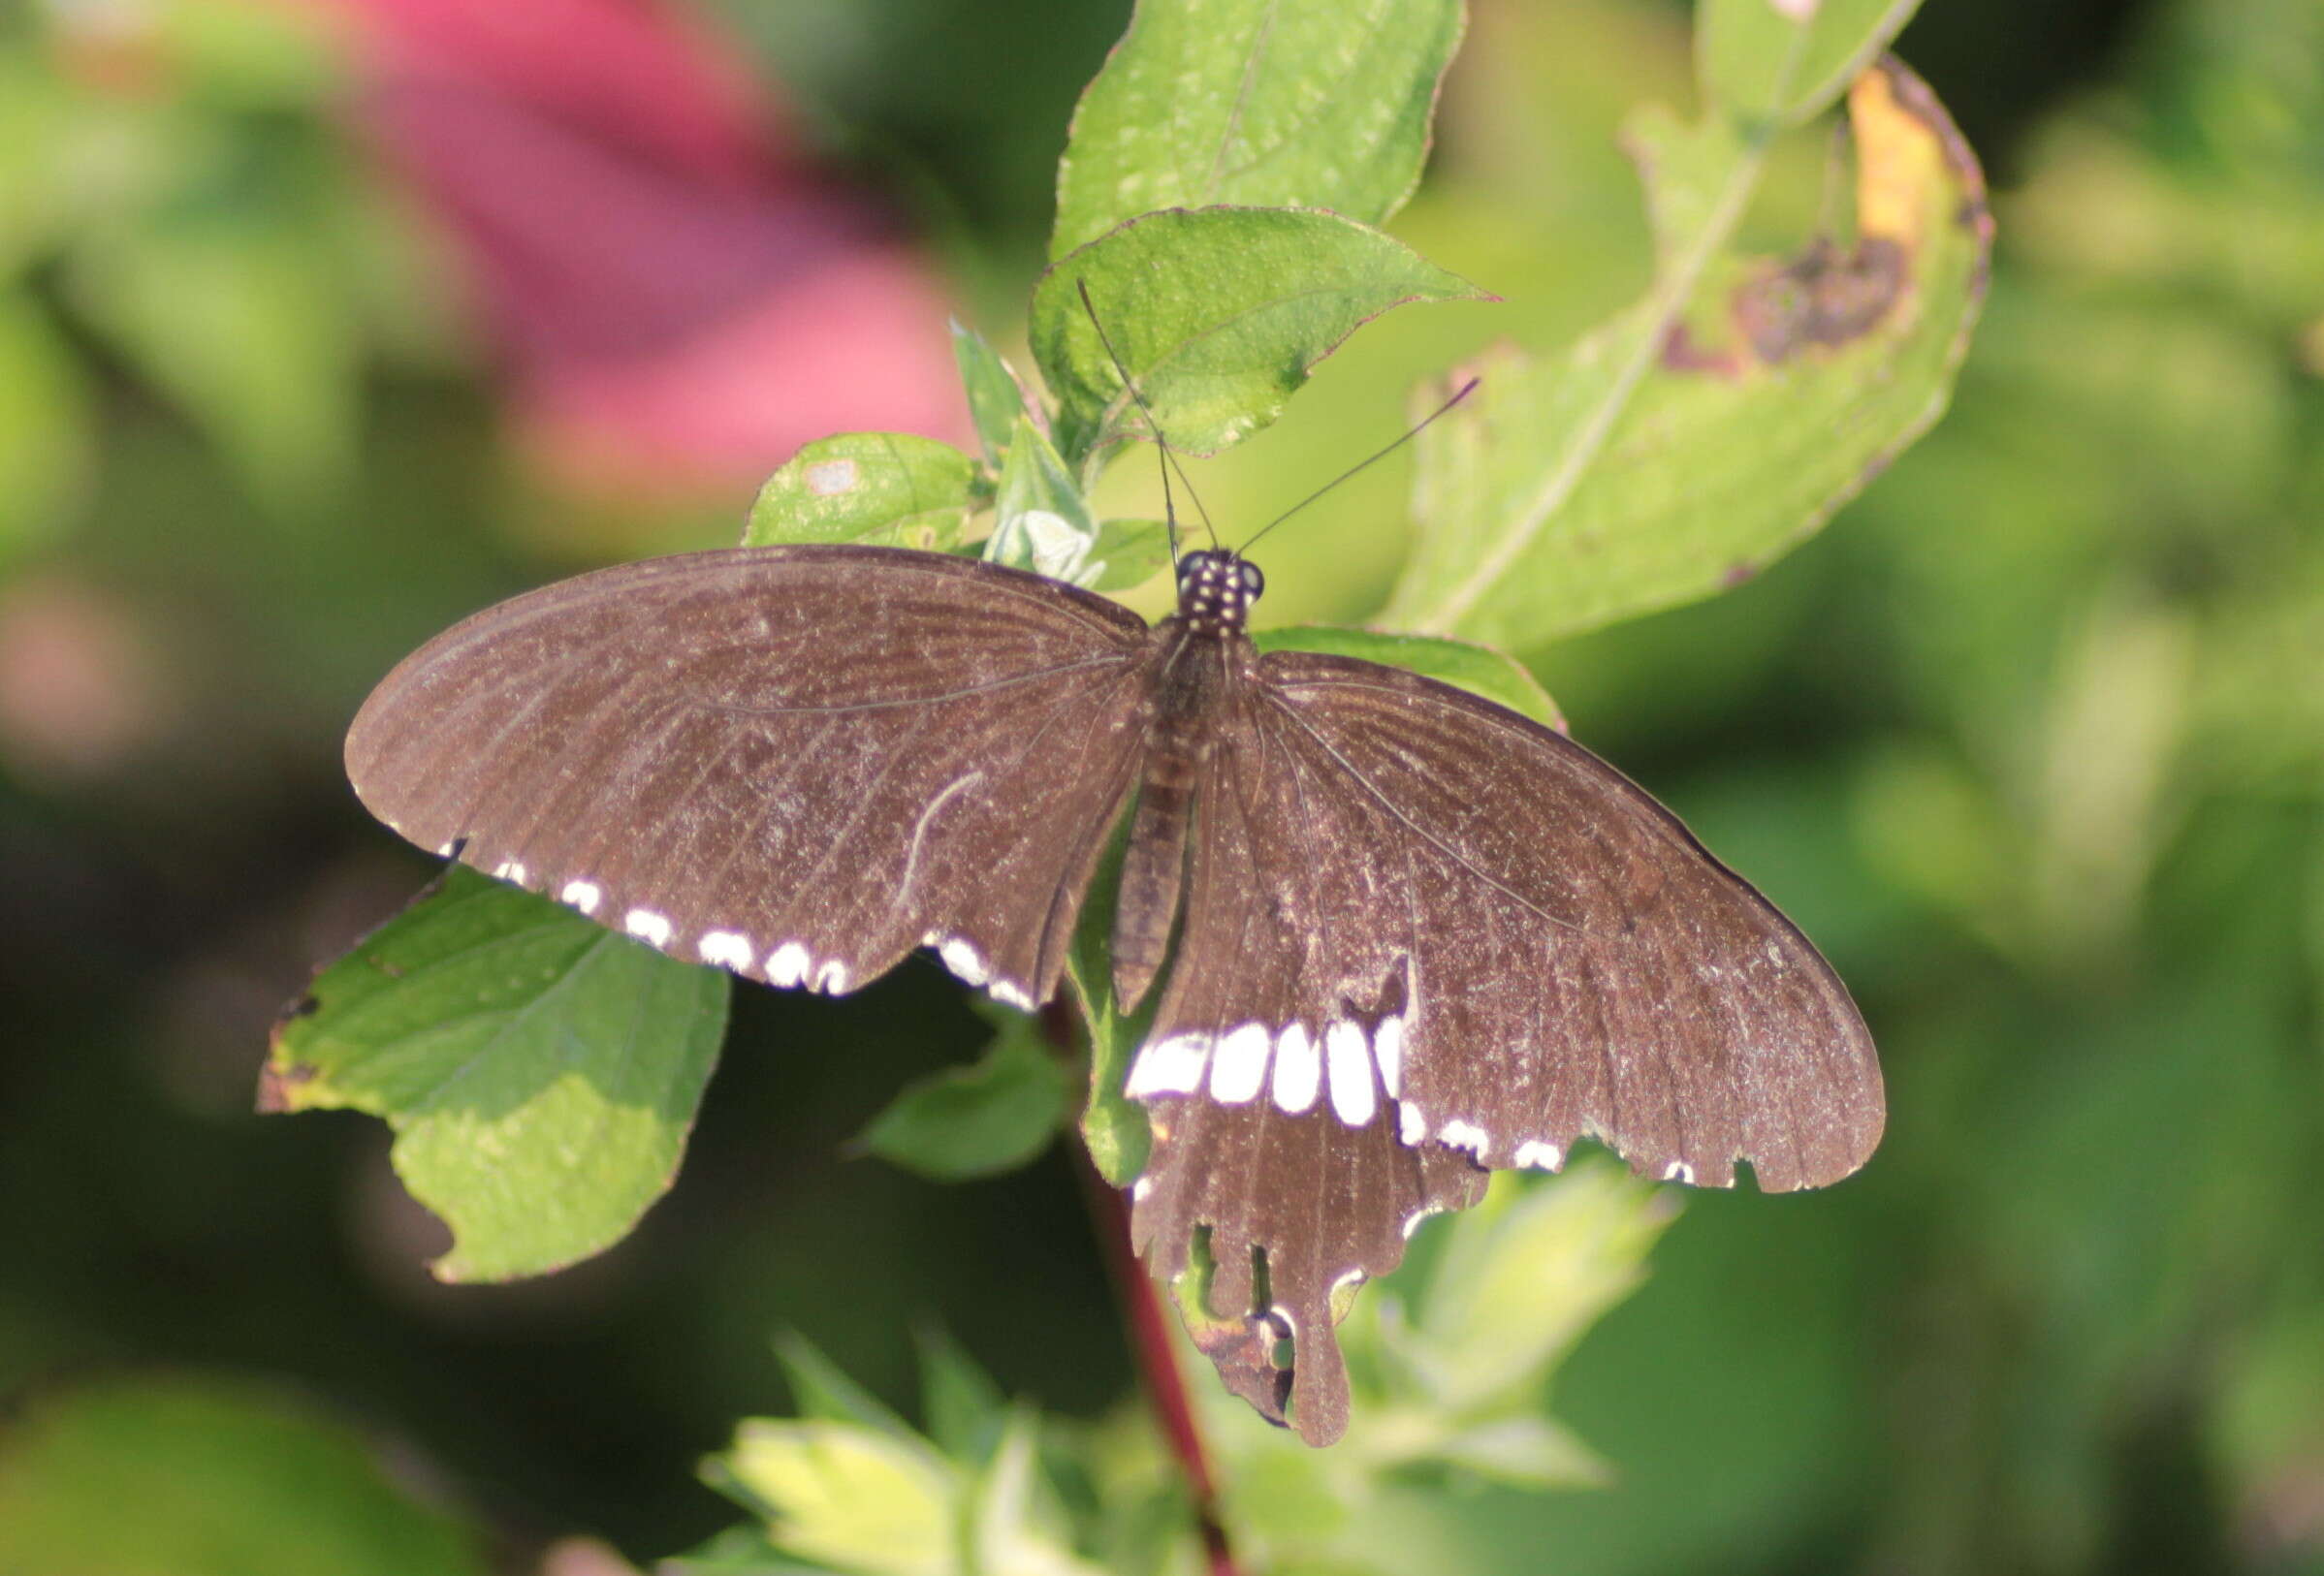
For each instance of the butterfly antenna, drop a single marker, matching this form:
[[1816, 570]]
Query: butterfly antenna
[[1460, 395], [1166, 458]]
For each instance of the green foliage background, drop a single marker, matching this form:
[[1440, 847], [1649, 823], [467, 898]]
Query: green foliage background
[[2031, 739]]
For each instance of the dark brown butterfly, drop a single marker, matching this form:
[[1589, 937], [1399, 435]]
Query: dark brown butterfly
[[1417, 935]]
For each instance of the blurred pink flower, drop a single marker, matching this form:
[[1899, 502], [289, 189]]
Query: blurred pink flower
[[679, 301]]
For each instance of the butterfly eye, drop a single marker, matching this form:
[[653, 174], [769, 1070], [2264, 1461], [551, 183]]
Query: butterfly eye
[[1255, 583]]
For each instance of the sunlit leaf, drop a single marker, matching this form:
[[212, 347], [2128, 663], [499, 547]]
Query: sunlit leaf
[[852, 1497], [1784, 61], [540, 1072], [996, 399], [1707, 431], [888, 488], [1217, 313], [1262, 103], [1040, 521], [208, 1477], [1477, 669]]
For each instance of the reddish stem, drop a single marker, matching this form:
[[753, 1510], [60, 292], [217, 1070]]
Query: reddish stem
[[1149, 1332]]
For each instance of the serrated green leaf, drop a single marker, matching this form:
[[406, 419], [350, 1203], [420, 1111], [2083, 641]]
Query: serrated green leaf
[[997, 401], [1113, 1126], [1780, 62], [1262, 103], [1040, 521], [1523, 1276], [1014, 1528], [208, 1477], [540, 1072], [993, 1115], [855, 1499], [1477, 669], [823, 1392], [888, 488], [965, 1408], [1218, 313], [1705, 432]]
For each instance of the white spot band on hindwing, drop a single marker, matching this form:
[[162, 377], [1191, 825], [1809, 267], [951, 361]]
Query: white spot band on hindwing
[[1238, 1067], [1171, 1066]]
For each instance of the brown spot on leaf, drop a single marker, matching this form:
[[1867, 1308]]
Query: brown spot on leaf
[[1681, 354], [278, 1086], [1825, 298]]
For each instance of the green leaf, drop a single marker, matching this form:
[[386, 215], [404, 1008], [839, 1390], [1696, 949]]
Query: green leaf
[[249, 323], [540, 1072], [965, 1408], [1707, 431], [997, 401], [1040, 521], [852, 1497], [1113, 1126], [1477, 669], [1262, 103], [209, 1477], [1127, 553], [889, 488], [1780, 62], [823, 1392], [1218, 313], [45, 425], [1525, 1453], [1523, 1276], [1015, 1528], [993, 1115]]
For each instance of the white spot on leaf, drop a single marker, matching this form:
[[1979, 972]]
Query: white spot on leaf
[[829, 478]]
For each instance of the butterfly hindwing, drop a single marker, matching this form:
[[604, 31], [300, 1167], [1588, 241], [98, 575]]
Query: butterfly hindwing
[[797, 762], [1457, 937]]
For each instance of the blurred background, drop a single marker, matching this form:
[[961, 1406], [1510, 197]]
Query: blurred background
[[323, 324]]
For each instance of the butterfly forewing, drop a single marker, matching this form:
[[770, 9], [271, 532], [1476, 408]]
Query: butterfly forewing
[[798, 763]]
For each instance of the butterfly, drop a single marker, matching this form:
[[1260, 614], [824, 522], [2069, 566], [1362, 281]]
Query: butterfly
[[1401, 937]]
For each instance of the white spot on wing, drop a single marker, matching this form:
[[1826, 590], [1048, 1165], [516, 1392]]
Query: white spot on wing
[[1387, 1049], [726, 948], [1141, 1189], [1412, 1221], [831, 979], [648, 927], [1348, 1061], [445, 850], [1462, 1135], [1679, 1171], [1539, 1154], [787, 964], [1171, 1066], [1238, 1068], [1010, 994], [960, 955], [508, 869], [1412, 1125], [1298, 1070], [582, 895]]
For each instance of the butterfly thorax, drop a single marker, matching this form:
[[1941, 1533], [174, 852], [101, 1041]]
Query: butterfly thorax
[[1201, 655]]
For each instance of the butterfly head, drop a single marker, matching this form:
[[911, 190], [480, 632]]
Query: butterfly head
[[1215, 591]]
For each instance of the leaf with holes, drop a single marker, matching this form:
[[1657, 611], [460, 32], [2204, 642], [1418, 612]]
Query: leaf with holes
[[1262, 103], [540, 1072], [1713, 427]]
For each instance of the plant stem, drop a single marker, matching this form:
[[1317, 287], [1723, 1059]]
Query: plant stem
[[1149, 1337]]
